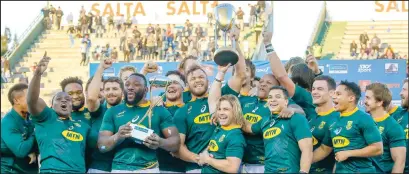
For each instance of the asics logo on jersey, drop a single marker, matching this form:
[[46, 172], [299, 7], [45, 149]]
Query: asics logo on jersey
[[203, 108], [255, 109], [135, 119]]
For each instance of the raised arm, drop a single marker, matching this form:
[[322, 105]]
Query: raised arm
[[276, 66], [215, 90], [239, 76], [92, 99], [35, 104]]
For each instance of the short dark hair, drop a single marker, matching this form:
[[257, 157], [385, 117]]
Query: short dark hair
[[116, 80], [69, 80], [353, 88], [332, 85], [181, 76], [293, 61], [16, 88], [381, 92], [257, 78], [286, 95], [142, 76], [302, 75], [194, 68], [249, 64]]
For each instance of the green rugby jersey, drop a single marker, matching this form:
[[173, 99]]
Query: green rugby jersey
[[254, 110], [17, 141], [392, 136], [226, 141], [62, 142], [402, 119], [82, 115], [319, 127], [99, 160], [166, 161], [281, 136], [354, 130], [193, 120], [304, 99], [395, 112], [130, 155]]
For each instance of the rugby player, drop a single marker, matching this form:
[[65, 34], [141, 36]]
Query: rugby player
[[112, 90], [323, 90], [354, 137], [18, 145], [402, 118], [193, 119], [226, 146], [287, 142], [115, 134], [377, 100], [62, 140], [173, 101], [73, 87], [125, 71]]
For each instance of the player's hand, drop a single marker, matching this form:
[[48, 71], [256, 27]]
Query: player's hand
[[234, 33], [152, 141], [203, 158], [286, 113], [43, 64], [33, 158], [224, 69], [267, 36], [253, 91], [312, 63], [106, 63], [341, 156], [125, 131], [213, 119]]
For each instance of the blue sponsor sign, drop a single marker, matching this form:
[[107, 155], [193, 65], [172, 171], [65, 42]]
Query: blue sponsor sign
[[362, 72]]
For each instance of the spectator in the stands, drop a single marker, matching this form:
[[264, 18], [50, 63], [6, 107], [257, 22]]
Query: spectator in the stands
[[98, 26], [136, 33], [70, 18], [59, 13], [261, 5], [46, 17], [97, 52], [53, 17], [150, 29], [170, 54], [110, 25], [375, 41], [85, 46], [82, 11], [90, 20], [389, 53], [258, 29], [317, 51], [84, 24], [71, 34], [199, 32], [210, 19], [363, 39], [203, 45], [252, 20], [114, 54], [150, 45], [158, 31], [353, 49], [126, 50], [184, 45], [240, 15], [169, 36]]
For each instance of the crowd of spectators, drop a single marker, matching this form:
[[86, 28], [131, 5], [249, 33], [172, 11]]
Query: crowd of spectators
[[373, 48]]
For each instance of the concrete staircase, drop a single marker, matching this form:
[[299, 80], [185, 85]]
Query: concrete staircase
[[394, 33], [65, 60], [332, 41]]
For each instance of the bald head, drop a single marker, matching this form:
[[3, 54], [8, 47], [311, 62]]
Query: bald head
[[62, 104]]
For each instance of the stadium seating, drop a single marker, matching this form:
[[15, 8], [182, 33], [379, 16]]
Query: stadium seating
[[65, 60]]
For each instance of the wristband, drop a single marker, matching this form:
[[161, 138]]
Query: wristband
[[302, 171], [217, 80]]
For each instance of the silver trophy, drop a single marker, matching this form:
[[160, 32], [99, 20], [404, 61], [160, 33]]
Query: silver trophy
[[225, 21]]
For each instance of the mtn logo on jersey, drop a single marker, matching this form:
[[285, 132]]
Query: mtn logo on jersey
[[271, 133], [213, 146], [72, 136], [252, 118], [314, 141], [339, 142], [202, 118]]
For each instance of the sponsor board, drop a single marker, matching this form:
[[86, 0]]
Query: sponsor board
[[364, 68], [391, 68], [337, 68]]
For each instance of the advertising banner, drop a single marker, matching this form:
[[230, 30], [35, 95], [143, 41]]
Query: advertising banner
[[362, 72]]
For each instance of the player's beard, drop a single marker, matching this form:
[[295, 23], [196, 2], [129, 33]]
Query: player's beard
[[77, 108], [139, 95]]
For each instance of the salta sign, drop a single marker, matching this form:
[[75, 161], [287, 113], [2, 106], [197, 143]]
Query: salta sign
[[391, 6], [135, 8]]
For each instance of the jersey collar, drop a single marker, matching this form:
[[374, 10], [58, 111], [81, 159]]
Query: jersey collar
[[380, 119], [346, 114], [393, 110], [195, 98], [326, 113], [168, 105], [230, 127], [143, 105], [79, 110]]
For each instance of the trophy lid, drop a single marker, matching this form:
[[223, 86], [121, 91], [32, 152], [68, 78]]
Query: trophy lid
[[226, 55]]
